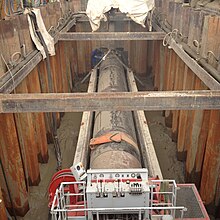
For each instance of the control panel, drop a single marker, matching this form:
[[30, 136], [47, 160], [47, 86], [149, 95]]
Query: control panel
[[118, 188]]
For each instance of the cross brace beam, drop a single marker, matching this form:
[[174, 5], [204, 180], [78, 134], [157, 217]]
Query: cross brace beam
[[106, 36], [121, 101]]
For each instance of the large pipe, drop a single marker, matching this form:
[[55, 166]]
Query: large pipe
[[114, 155]]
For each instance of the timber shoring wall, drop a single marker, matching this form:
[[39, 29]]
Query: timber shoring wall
[[24, 137], [195, 132]]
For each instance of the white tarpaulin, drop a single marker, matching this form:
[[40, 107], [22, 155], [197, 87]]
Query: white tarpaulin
[[137, 10], [48, 39]]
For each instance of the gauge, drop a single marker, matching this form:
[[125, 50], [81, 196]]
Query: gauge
[[117, 175], [133, 175]]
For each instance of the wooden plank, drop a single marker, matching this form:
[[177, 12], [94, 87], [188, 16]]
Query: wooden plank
[[147, 148], [24, 34], [42, 72], [188, 83], [123, 101], [81, 51], [58, 70], [185, 20], [196, 25], [139, 49], [63, 57], [162, 62], [3, 68], [170, 86], [193, 137], [8, 35], [45, 17], [178, 85], [7, 84], [169, 11], [211, 165], [54, 72], [12, 162], [3, 215], [33, 85], [82, 148], [169, 115], [190, 114], [156, 69], [210, 36], [26, 133], [77, 5], [109, 36], [166, 66]]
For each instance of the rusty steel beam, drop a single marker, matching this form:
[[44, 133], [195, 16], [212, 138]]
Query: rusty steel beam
[[9, 83], [122, 101], [207, 78], [117, 17], [108, 36], [147, 148], [85, 131]]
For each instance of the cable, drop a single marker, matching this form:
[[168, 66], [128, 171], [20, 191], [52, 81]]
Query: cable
[[12, 77]]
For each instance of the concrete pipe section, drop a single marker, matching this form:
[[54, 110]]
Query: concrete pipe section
[[114, 143]]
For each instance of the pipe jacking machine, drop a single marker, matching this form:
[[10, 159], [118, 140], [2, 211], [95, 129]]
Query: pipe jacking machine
[[114, 182]]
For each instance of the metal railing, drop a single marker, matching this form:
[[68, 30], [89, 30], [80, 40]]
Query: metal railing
[[169, 190], [63, 209]]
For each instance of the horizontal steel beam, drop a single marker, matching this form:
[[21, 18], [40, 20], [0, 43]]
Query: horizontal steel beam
[[120, 101], [106, 36], [115, 18]]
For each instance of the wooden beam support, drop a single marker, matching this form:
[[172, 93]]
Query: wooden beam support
[[108, 36], [123, 101]]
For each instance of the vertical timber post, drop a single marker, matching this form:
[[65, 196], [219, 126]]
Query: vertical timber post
[[211, 164], [33, 86], [13, 182], [26, 133], [3, 214]]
